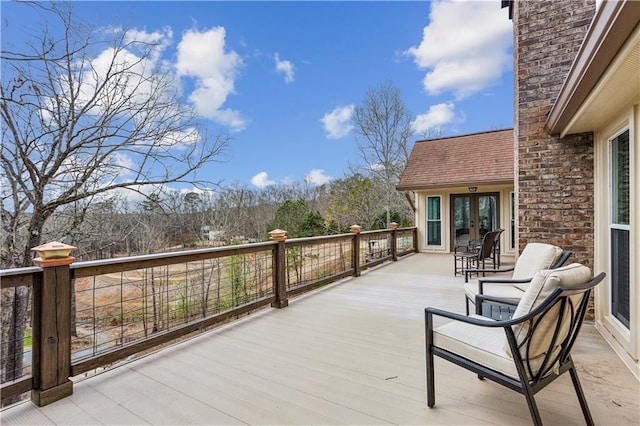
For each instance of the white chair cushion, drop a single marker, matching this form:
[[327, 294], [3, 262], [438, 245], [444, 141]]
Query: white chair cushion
[[534, 257], [484, 345], [542, 285]]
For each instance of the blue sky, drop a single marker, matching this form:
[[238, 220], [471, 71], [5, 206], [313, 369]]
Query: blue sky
[[283, 77]]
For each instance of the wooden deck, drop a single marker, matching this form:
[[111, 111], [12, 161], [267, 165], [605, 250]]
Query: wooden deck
[[350, 353]]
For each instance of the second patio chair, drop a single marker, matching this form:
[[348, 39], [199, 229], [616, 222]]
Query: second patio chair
[[534, 257], [474, 258]]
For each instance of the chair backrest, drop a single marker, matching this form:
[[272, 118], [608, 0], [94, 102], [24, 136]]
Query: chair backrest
[[534, 257], [564, 256], [496, 237], [489, 240], [556, 302]]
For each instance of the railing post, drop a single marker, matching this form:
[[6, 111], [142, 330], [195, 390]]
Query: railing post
[[355, 250], [279, 269], [52, 325], [415, 239], [394, 241]]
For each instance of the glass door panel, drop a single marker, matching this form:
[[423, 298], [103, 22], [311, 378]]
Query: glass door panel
[[461, 220], [473, 215], [487, 214]]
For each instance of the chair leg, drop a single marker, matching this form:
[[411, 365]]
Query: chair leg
[[431, 389], [479, 307], [533, 408], [583, 401]]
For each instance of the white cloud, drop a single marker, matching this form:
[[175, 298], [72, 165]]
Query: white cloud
[[157, 41], [465, 47], [337, 123], [317, 177], [261, 180], [202, 55], [132, 80], [284, 67], [436, 117]]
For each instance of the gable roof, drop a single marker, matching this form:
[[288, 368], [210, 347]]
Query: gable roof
[[475, 159]]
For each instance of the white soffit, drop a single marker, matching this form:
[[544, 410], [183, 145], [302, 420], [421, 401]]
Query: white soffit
[[615, 90]]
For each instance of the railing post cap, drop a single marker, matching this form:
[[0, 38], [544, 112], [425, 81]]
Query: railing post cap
[[53, 254], [278, 235], [393, 225], [355, 229]]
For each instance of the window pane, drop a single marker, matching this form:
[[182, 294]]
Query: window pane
[[433, 233], [620, 275], [620, 179], [433, 208]]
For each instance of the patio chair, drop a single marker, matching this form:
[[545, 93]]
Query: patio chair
[[527, 352], [534, 257], [475, 255]]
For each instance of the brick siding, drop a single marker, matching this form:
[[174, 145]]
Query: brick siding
[[554, 177]]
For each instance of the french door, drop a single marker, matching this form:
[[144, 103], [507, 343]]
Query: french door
[[473, 216]]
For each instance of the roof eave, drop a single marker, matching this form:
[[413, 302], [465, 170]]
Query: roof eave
[[424, 187], [613, 23]]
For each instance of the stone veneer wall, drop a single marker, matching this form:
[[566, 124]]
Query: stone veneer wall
[[554, 177]]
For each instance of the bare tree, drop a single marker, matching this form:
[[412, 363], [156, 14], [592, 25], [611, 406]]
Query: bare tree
[[383, 128], [76, 127], [85, 113]]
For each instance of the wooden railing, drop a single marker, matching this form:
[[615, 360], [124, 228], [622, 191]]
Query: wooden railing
[[89, 316]]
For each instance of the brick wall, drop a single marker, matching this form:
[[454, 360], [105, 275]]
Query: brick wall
[[554, 177]]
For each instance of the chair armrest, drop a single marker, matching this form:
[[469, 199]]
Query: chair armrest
[[493, 270], [486, 298], [477, 271], [429, 312], [483, 281]]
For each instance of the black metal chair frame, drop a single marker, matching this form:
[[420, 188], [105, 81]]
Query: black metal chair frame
[[562, 259], [495, 252], [529, 381]]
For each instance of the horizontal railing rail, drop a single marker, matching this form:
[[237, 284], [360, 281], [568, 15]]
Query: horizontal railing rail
[[89, 316]]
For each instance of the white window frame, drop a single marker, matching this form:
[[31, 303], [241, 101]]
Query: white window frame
[[427, 221], [626, 330]]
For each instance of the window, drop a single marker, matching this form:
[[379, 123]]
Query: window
[[434, 222], [619, 227]]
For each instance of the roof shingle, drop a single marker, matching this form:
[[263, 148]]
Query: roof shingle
[[475, 159]]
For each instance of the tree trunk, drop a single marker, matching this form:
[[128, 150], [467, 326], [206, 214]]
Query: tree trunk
[[15, 310], [15, 304]]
